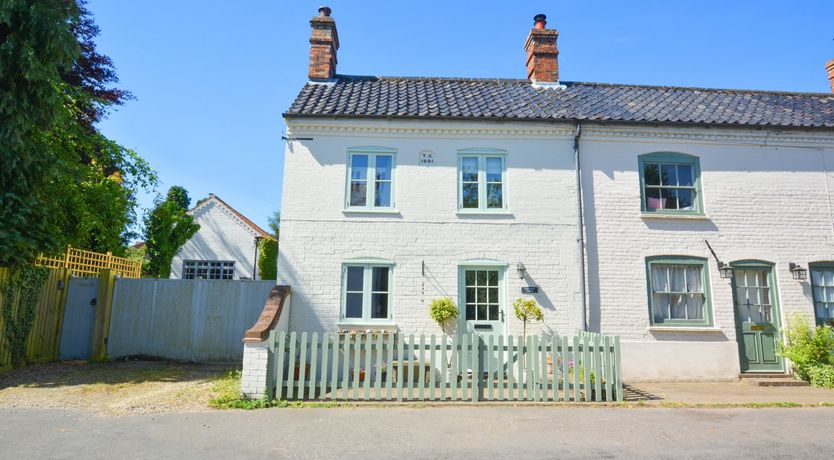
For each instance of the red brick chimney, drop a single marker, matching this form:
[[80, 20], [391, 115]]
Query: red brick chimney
[[324, 42], [542, 54], [829, 66]]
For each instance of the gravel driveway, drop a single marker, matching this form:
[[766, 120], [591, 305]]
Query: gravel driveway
[[112, 388]]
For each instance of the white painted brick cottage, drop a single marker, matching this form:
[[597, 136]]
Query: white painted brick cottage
[[401, 190]]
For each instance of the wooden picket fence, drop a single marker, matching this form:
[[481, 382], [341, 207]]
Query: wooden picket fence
[[390, 367], [81, 262]]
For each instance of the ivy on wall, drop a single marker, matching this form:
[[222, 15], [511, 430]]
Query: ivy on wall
[[22, 288]]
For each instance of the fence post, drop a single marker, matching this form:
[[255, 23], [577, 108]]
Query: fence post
[[104, 304]]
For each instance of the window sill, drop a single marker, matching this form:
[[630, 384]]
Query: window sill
[[371, 211], [367, 327], [663, 216], [502, 212], [684, 329]]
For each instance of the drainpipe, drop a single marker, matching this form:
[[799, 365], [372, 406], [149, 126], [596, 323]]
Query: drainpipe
[[580, 226]]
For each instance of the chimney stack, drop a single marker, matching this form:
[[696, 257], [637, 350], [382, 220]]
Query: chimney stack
[[324, 42], [542, 53], [829, 66]]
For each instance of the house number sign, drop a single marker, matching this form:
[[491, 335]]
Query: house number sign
[[530, 290], [426, 158]]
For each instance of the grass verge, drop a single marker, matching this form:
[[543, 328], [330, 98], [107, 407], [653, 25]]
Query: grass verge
[[226, 395]]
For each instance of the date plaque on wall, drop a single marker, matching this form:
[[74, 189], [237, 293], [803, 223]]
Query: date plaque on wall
[[426, 158], [530, 290]]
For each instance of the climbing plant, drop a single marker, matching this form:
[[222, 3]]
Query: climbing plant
[[23, 288]]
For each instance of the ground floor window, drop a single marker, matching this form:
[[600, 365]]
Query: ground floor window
[[822, 280], [678, 291], [366, 292], [208, 270]]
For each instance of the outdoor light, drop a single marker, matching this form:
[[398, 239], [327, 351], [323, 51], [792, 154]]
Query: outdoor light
[[724, 270], [798, 272], [521, 269]]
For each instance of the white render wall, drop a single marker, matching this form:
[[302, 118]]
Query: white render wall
[[539, 230], [221, 237], [766, 196]]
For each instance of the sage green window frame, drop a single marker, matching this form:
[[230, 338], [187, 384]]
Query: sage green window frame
[[370, 179], [672, 158], [367, 265], [482, 154], [820, 267], [707, 321]]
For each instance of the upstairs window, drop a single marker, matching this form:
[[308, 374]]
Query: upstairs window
[[482, 181], [370, 179], [208, 270], [670, 183], [678, 292]]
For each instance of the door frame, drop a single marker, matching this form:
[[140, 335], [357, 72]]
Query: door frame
[[775, 301]]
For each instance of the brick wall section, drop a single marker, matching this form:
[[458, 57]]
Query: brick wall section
[[542, 56], [829, 67], [255, 365]]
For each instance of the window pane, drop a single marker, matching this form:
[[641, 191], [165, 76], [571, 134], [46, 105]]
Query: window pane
[[816, 277], [494, 167], [651, 174], [493, 278], [470, 277], [482, 278], [668, 175], [668, 199], [470, 312], [355, 278], [469, 167], [470, 195], [379, 279], [358, 192], [359, 167], [678, 306], [659, 281], [382, 199], [693, 279], [653, 198], [695, 307], [470, 295], [379, 306], [482, 295], [495, 196], [493, 312], [353, 305], [383, 167], [660, 307], [676, 278], [686, 199], [482, 312], [493, 295], [685, 176]]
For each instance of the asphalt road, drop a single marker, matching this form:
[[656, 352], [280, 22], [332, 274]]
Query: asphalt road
[[446, 432]]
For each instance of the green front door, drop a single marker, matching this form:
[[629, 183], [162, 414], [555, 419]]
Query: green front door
[[757, 318], [483, 306]]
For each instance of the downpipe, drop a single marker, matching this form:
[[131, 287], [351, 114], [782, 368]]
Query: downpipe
[[580, 227]]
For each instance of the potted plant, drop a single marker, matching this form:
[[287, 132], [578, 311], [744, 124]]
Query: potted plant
[[526, 310], [443, 311]]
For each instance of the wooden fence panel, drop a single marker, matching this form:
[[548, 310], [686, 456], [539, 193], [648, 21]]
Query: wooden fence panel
[[373, 367]]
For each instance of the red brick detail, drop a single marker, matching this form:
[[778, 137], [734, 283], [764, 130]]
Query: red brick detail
[[542, 55], [269, 315], [829, 66], [324, 42]]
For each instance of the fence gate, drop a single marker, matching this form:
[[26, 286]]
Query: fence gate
[[79, 319]]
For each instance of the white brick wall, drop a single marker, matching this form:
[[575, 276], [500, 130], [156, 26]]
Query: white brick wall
[[765, 198], [220, 237], [255, 365]]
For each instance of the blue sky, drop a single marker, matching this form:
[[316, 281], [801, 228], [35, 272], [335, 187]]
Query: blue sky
[[212, 77]]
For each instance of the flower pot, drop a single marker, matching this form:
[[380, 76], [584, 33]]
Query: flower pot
[[296, 374]]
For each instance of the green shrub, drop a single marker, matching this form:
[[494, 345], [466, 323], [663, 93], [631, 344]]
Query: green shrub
[[442, 311], [821, 375], [527, 310], [806, 347]]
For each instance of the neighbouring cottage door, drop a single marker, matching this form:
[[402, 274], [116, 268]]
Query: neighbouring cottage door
[[483, 308], [757, 318]]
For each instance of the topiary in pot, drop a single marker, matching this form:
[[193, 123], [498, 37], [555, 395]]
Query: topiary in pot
[[526, 310], [443, 311]]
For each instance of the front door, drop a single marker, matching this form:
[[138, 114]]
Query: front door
[[757, 318], [483, 306]]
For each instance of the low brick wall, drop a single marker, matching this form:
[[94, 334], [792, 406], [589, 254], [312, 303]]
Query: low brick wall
[[256, 342]]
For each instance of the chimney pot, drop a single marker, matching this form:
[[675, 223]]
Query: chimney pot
[[324, 42], [540, 21], [324, 11]]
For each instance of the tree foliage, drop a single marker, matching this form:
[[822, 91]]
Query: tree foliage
[[167, 227], [61, 181], [268, 250], [443, 310], [20, 294]]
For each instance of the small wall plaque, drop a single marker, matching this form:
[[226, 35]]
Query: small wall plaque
[[426, 158], [530, 290]]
